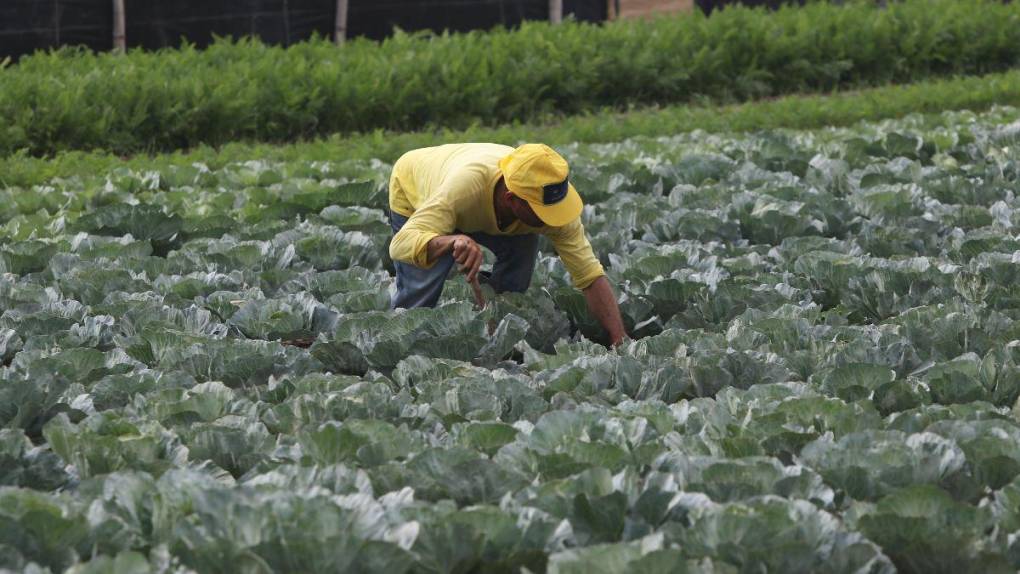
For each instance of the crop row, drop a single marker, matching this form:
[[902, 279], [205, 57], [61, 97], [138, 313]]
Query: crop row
[[824, 378], [977, 93]]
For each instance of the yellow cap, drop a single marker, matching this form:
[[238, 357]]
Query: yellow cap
[[538, 175]]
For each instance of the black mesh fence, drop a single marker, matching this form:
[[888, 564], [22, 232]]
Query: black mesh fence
[[707, 6], [29, 25]]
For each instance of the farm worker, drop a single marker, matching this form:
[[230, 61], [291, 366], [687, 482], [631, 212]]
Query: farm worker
[[446, 201]]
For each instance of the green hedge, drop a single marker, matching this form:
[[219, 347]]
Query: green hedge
[[797, 112], [151, 101]]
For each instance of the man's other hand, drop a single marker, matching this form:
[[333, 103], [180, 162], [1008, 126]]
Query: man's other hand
[[602, 305]]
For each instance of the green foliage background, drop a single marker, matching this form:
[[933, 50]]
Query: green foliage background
[[795, 111], [150, 101]]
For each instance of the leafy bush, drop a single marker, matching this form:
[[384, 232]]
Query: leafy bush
[[173, 99]]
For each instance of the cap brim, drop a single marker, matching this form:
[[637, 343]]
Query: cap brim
[[562, 212]]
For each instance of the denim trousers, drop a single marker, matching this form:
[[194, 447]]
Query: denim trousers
[[515, 263]]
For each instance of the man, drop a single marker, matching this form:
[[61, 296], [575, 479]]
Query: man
[[446, 200]]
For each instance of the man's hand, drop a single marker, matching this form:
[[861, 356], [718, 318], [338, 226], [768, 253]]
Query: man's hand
[[602, 305], [465, 251], [468, 256]]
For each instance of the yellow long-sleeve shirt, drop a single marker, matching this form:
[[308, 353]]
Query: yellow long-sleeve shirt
[[450, 187]]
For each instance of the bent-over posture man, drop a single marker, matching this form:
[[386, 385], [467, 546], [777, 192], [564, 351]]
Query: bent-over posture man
[[446, 200]]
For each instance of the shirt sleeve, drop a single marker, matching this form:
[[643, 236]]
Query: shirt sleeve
[[434, 218], [575, 251]]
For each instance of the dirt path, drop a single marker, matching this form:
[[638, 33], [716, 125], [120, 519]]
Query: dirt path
[[642, 8]]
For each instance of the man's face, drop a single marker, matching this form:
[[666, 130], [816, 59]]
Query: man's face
[[523, 211]]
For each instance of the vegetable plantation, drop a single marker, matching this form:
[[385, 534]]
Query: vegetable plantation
[[824, 372]]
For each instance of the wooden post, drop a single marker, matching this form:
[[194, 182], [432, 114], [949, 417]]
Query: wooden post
[[340, 32], [555, 11], [119, 37]]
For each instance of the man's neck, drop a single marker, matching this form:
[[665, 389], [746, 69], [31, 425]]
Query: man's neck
[[504, 217]]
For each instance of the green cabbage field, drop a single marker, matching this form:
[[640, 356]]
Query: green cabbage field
[[201, 373]]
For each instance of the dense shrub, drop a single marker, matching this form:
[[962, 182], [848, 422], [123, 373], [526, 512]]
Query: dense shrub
[[72, 99]]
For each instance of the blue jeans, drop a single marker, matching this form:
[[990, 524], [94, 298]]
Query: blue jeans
[[515, 263]]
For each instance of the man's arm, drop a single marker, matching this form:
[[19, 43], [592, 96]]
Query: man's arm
[[428, 233], [578, 257], [602, 305], [411, 244]]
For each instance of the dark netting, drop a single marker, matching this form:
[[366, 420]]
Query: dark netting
[[161, 24], [586, 10], [377, 19], [29, 25], [707, 6]]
